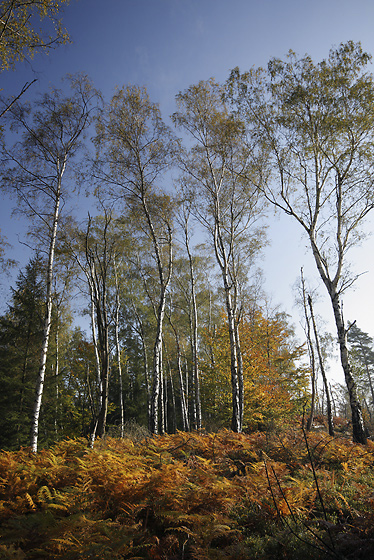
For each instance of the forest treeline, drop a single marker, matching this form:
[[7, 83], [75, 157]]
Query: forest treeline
[[181, 337]]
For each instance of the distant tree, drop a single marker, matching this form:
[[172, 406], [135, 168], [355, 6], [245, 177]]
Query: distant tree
[[118, 347], [362, 352], [316, 126], [51, 134]]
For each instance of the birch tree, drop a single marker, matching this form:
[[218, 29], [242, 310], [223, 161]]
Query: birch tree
[[186, 284], [20, 39], [226, 203], [95, 249], [118, 348], [50, 137], [135, 149], [316, 123]]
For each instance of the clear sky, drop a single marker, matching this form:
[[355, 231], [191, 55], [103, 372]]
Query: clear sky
[[168, 45]]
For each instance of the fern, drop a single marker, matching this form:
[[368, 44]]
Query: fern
[[193, 495]]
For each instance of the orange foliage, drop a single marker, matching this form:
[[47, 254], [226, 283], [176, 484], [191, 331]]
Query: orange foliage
[[190, 495], [275, 386]]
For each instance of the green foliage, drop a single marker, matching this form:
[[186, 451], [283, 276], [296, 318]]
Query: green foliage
[[19, 38], [66, 408], [20, 340], [362, 362], [190, 495]]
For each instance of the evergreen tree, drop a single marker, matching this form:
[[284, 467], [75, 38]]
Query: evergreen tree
[[21, 332], [362, 357]]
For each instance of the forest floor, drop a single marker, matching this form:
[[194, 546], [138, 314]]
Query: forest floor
[[190, 496]]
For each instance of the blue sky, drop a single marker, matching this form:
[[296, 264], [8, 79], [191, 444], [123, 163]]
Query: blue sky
[[168, 45]]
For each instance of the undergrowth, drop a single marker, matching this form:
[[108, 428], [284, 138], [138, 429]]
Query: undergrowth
[[190, 496]]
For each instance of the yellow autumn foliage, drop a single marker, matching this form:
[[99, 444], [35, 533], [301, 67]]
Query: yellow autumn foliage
[[275, 384], [192, 495]]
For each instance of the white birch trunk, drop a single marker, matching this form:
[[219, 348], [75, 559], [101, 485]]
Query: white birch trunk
[[237, 394], [94, 340], [185, 421], [157, 369], [57, 368], [118, 351], [48, 318], [157, 352], [195, 354]]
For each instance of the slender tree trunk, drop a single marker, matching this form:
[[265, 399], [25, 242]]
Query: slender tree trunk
[[183, 396], [185, 422], [94, 340], [57, 368], [240, 373], [312, 360], [47, 320], [187, 386], [212, 330], [157, 353], [157, 369], [237, 394], [332, 400], [145, 365], [161, 401], [121, 404], [174, 416], [165, 401], [90, 398], [322, 368], [102, 321], [97, 359], [118, 351], [236, 421], [194, 338]]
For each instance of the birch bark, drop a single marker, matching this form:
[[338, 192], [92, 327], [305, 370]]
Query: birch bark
[[48, 314], [52, 131]]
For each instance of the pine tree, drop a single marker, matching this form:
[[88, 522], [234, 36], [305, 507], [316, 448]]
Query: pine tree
[[21, 331]]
